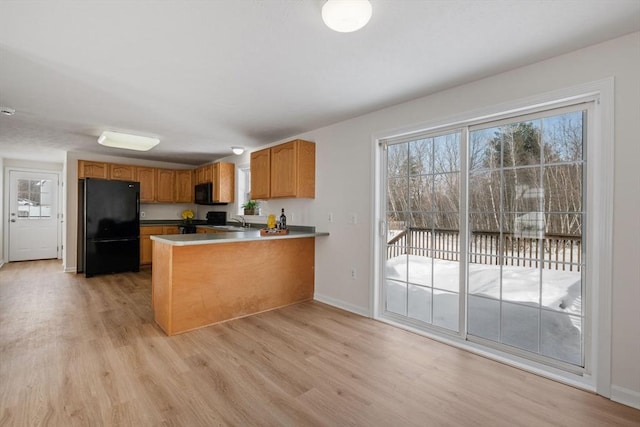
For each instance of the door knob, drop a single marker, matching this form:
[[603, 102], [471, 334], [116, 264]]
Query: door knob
[[13, 220]]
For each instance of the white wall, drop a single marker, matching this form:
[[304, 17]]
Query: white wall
[[344, 184]]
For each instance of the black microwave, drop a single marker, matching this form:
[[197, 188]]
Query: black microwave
[[204, 193]]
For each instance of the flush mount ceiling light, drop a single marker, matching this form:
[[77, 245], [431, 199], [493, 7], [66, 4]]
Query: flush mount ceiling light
[[237, 150], [127, 141], [346, 16]]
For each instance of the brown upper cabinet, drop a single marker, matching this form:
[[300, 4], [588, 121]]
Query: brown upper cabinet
[[285, 170], [184, 186], [165, 185], [88, 169], [261, 174], [146, 176], [203, 174], [223, 177], [122, 172]]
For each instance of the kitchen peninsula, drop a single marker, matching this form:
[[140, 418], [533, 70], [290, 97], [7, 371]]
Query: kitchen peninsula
[[203, 279]]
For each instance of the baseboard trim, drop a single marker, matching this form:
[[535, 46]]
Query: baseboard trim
[[1, 263], [362, 311], [69, 269], [625, 396]]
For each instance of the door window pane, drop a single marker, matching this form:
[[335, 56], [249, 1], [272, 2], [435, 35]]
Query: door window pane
[[563, 137], [420, 157], [396, 297], [519, 327], [484, 317], [561, 337], [445, 309], [563, 188], [421, 269], [34, 198], [520, 143], [419, 304]]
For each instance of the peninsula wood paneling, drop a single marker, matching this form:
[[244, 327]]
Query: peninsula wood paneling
[[277, 273], [161, 289]]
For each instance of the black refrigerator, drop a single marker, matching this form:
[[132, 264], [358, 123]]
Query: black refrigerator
[[108, 226]]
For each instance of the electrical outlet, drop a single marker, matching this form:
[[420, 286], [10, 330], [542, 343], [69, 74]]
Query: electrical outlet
[[142, 214], [353, 273], [353, 218], [330, 217]]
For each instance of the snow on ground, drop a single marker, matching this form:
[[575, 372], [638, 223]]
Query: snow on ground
[[554, 332]]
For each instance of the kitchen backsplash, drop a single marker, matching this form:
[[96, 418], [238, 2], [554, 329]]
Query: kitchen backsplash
[[298, 211], [164, 211]]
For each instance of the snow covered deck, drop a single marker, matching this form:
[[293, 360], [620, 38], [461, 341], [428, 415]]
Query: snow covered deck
[[535, 309]]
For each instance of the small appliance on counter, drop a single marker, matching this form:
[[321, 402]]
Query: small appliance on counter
[[216, 218]]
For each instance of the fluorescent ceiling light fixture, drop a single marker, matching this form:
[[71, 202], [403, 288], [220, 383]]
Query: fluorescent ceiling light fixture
[[237, 150], [127, 141], [345, 16]]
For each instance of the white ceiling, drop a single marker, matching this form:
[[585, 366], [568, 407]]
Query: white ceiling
[[206, 75]]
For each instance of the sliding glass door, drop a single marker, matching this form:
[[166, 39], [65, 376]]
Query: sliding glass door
[[526, 216], [423, 250], [514, 278]]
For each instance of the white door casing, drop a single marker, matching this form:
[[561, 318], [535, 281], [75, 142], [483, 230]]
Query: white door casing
[[33, 215]]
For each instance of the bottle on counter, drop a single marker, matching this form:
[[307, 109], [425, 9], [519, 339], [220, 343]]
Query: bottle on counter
[[283, 221]]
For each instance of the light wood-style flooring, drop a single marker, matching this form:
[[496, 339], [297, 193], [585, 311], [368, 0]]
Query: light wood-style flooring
[[86, 352]]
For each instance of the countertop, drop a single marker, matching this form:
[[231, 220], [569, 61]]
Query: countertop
[[229, 237]]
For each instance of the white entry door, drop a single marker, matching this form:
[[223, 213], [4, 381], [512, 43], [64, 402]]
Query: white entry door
[[33, 215]]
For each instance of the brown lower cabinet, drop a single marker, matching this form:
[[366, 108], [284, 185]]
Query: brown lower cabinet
[[146, 248]]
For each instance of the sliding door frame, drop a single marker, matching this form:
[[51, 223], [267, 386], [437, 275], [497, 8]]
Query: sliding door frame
[[597, 374]]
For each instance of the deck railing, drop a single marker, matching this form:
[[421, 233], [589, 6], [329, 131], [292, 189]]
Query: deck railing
[[556, 252]]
